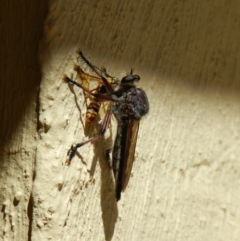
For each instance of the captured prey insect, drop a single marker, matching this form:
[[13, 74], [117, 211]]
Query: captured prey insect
[[128, 104], [95, 104]]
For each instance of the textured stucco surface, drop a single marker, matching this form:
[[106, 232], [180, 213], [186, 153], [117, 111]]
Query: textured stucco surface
[[186, 176]]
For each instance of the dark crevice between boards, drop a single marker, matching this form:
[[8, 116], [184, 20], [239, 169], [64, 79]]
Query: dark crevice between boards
[[30, 216]]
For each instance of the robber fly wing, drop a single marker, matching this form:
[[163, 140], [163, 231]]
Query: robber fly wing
[[132, 133]]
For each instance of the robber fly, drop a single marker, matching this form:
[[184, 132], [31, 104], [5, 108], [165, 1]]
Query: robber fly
[[128, 104], [95, 103]]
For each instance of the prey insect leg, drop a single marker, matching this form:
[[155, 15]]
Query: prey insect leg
[[73, 149]]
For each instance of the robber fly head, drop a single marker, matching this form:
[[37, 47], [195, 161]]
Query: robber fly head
[[129, 79]]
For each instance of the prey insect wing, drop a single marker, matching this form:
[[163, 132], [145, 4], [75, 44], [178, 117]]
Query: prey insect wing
[[94, 105], [86, 77]]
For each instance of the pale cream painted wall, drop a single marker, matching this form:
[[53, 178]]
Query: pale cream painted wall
[[185, 180]]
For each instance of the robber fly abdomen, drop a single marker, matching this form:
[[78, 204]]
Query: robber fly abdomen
[[128, 104], [118, 153], [129, 109]]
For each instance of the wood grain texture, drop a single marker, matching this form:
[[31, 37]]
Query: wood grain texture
[[186, 176], [21, 28]]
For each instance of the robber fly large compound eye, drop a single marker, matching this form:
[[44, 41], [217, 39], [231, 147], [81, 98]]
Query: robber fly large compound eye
[[130, 78]]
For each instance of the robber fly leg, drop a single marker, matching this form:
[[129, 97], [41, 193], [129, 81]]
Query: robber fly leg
[[73, 149], [103, 97], [68, 80]]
